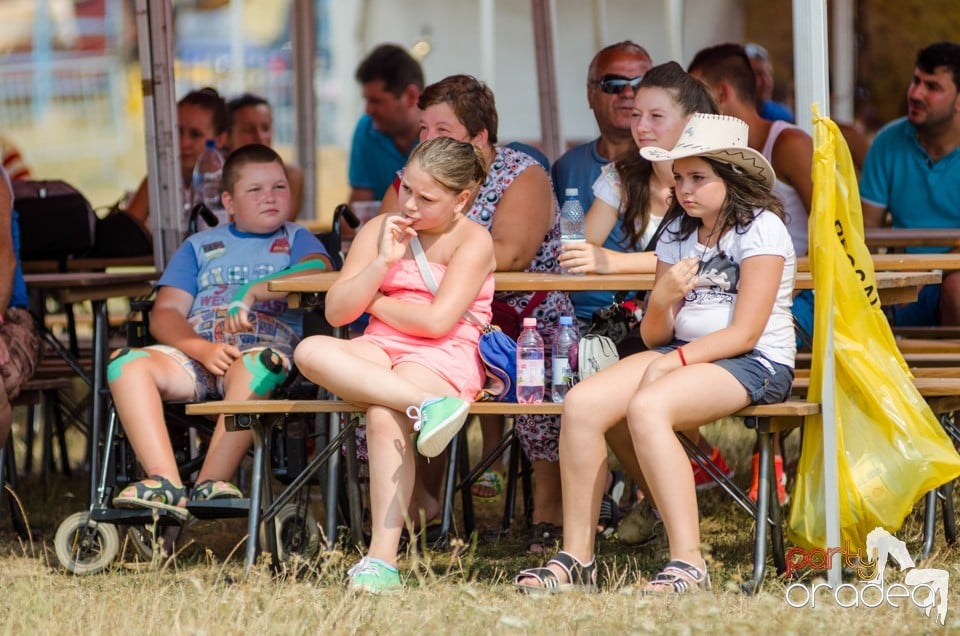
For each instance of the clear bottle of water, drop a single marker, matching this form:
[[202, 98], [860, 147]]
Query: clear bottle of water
[[530, 369], [206, 184], [564, 352], [572, 221]]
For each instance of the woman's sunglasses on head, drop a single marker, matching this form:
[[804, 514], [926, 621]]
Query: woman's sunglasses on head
[[614, 84]]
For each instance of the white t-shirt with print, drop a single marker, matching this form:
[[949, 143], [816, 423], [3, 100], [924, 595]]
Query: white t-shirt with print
[[709, 306]]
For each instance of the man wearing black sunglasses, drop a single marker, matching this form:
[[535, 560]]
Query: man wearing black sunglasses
[[612, 79]]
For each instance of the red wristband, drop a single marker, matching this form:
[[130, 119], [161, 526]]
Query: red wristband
[[683, 360]]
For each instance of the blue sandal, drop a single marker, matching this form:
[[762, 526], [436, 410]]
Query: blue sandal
[[161, 494]]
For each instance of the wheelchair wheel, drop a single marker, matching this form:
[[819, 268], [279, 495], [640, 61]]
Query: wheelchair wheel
[[141, 539], [84, 546], [298, 536]]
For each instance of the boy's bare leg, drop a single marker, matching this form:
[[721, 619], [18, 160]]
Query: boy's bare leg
[[139, 387]]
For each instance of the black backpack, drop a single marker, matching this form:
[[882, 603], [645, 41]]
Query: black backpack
[[56, 221]]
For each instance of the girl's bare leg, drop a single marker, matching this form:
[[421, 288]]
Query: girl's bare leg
[[393, 464], [655, 414], [590, 410], [357, 371]]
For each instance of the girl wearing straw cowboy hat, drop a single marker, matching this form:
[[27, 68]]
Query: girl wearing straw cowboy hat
[[720, 334]]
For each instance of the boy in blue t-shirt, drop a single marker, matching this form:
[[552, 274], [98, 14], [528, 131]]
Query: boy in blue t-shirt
[[220, 331]]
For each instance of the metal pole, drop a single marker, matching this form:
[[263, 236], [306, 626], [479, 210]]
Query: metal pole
[[238, 62], [810, 72], [599, 24], [843, 51], [674, 11], [304, 42], [545, 42], [486, 19], [164, 181]]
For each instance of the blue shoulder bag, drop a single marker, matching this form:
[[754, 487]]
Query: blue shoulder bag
[[497, 350]]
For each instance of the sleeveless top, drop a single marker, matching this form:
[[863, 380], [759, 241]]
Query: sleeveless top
[[506, 166], [504, 169], [796, 213]]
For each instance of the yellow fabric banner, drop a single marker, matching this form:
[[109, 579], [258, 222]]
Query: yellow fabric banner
[[891, 447]]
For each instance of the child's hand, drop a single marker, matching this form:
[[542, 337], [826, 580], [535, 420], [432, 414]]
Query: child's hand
[[395, 233], [676, 283], [218, 357], [238, 318]]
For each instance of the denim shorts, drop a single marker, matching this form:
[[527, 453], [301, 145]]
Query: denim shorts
[[766, 381]]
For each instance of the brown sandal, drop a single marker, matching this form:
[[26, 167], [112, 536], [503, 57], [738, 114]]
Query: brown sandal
[[678, 577]]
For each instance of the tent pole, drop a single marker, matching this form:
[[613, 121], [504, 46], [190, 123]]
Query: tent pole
[[545, 42], [810, 72], [165, 185], [843, 53], [304, 42]]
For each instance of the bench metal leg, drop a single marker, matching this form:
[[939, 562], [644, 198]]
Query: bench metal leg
[[8, 478], [450, 488], [763, 509], [51, 404], [929, 523], [333, 480], [513, 473], [949, 516], [256, 493], [466, 497], [353, 492]]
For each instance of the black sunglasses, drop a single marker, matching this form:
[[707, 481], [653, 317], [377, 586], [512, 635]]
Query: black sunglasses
[[614, 84]]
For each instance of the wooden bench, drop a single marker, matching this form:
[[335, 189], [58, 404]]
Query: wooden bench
[[45, 391], [257, 415], [32, 392]]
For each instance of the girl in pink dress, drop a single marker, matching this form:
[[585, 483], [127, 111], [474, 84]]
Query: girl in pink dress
[[417, 363]]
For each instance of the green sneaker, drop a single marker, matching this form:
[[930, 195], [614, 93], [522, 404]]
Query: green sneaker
[[438, 420], [374, 576]]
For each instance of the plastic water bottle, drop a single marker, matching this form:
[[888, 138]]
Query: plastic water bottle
[[564, 346], [207, 181], [530, 370], [572, 222]]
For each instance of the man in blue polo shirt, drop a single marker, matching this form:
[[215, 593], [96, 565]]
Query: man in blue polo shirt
[[912, 171], [392, 81], [612, 78]]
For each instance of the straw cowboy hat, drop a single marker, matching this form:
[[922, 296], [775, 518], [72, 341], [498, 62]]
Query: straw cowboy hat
[[719, 137]]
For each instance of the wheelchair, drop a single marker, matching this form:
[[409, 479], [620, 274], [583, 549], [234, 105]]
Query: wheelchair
[[88, 541]]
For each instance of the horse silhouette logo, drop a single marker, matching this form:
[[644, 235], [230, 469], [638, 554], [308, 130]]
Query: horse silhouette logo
[[881, 545]]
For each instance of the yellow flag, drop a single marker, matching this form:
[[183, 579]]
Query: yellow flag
[[891, 447]]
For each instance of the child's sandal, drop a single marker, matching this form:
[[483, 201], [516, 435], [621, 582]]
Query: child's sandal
[[209, 489], [581, 577], [162, 495], [678, 577]]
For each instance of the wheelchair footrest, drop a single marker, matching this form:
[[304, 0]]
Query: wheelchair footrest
[[219, 508], [133, 516]]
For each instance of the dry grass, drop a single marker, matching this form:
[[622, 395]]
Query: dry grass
[[203, 590]]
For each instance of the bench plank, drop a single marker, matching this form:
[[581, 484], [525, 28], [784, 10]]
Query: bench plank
[[253, 407]]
